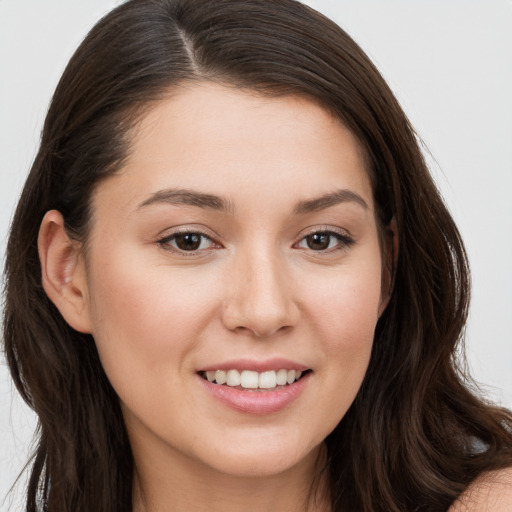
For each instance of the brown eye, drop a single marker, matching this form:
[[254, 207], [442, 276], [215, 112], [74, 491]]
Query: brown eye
[[325, 241], [319, 241], [187, 242]]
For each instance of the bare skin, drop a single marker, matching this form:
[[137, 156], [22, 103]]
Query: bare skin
[[289, 492], [491, 492]]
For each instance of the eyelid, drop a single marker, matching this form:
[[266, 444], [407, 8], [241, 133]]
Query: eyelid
[[163, 241], [324, 228], [345, 239]]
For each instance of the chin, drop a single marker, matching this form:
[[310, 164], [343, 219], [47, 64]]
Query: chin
[[264, 460]]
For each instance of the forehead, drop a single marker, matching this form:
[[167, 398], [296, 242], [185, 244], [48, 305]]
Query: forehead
[[230, 141]]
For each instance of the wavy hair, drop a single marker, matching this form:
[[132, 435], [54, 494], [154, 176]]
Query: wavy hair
[[416, 435]]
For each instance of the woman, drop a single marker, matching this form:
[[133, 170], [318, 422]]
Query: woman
[[232, 284]]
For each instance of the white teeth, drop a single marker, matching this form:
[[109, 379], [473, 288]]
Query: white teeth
[[267, 380], [249, 379], [220, 376], [233, 378], [282, 377]]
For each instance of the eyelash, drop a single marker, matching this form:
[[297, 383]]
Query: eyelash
[[343, 241], [167, 241]]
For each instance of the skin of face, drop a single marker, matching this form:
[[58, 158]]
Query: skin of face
[[254, 178]]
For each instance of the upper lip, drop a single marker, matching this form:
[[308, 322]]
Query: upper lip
[[256, 366]]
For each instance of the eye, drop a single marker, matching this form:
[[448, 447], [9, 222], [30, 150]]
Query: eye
[[325, 241], [187, 241]]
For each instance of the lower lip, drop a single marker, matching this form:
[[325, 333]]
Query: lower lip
[[256, 401]]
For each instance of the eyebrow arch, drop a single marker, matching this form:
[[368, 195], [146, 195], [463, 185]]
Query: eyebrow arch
[[187, 197], [213, 202], [328, 200]]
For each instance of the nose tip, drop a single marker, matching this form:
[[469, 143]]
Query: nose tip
[[261, 303], [260, 324]]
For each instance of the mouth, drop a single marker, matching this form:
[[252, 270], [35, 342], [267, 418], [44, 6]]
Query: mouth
[[256, 387], [252, 380]]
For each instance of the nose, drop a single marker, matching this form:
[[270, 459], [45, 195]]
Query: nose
[[260, 299]]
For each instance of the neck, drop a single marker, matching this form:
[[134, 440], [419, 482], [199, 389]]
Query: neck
[[300, 489]]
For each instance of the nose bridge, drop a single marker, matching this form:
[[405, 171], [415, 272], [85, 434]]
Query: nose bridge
[[261, 296]]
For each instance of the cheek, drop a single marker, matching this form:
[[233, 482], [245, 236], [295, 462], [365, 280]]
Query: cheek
[[345, 315], [144, 316], [345, 306]]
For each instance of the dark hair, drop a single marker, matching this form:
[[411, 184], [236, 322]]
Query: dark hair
[[415, 436]]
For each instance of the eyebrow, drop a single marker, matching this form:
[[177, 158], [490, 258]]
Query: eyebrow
[[213, 202], [187, 197], [328, 200]]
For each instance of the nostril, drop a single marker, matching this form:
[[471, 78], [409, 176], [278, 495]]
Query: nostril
[[263, 310]]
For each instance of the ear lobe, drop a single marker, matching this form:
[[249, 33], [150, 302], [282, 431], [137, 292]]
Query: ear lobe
[[390, 258], [63, 271]]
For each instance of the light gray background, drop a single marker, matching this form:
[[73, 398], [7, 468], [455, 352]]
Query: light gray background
[[448, 61]]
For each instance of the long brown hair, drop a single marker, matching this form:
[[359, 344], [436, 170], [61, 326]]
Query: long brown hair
[[415, 436]]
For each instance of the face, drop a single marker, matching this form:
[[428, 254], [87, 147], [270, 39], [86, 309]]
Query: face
[[238, 242]]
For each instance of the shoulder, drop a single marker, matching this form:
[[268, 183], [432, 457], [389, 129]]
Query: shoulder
[[491, 492]]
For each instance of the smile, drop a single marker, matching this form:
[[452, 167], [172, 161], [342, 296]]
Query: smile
[[253, 392], [249, 379]]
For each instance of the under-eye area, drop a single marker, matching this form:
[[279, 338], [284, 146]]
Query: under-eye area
[[252, 380]]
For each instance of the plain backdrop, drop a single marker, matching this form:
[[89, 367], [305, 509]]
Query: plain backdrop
[[448, 61]]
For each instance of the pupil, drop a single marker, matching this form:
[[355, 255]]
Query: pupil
[[188, 242], [318, 241]]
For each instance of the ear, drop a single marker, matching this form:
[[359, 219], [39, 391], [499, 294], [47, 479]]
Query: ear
[[63, 271], [390, 259]]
